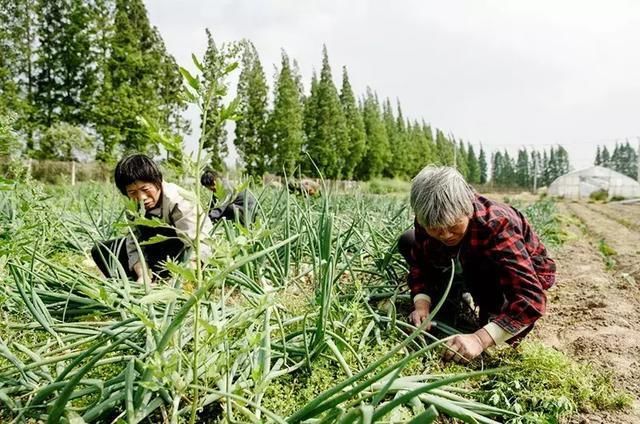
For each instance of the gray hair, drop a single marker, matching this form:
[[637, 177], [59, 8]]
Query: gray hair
[[440, 196]]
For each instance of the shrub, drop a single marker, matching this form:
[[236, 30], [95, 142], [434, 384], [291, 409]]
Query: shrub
[[599, 195]]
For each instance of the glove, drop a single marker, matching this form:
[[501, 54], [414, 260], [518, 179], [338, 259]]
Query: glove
[[215, 214]]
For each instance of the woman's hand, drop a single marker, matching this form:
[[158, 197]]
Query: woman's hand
[[137, 268], [420, 313], [465, 347]]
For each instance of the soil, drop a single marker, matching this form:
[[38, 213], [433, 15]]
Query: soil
[[593, 313]]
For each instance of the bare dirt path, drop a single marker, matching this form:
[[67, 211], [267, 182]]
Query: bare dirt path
[[627, 215], [594, 314], [606, 224]]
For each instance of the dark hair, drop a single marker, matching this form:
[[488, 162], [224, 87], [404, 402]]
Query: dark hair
[[136, 167], [208, 177]]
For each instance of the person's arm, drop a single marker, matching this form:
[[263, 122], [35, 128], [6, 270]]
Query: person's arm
[[524, 293], [184, 219], [418, 280]]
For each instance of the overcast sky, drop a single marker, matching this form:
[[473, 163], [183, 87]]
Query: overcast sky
[[501, 73]]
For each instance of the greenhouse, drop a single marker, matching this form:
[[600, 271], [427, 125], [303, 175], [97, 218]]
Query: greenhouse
[[580, 184]]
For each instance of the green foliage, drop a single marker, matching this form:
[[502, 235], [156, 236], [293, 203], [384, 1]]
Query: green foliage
[[482, 164], [444, 149], [66, 78], [387, 186], [284, 128], [327, 137], [600, 195], [9, 142], [282, 325], [544, 385], [474, 166], [250, 133], [215, 63], [607, 253], [64, 142], [377, 152], [355, 128], [140, 79], [624, 159]]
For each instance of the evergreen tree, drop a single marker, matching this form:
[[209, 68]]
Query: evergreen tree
[[544, 169], [562, 161], [444, 149], [65, 79], [605, 158], [482, 164], [461, 160], [250, 138], [140, 79], [327, 140], [625, 160], [522, 169], [355, 127], [403, 153], [598, 160], [615, 161], [284, 128], [427, 152], [393, 166], [549, 171], [508, 170], [18, 25], [473, 165], [310, 112], [496, 168], [215, 134], [377, 153]]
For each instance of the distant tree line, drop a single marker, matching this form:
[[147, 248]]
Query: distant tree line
[[529, 167], [82, 72], [344, 135], [624, 159], [76, 76]]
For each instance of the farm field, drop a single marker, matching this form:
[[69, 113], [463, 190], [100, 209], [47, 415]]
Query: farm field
[[595, 310], [301, 318]]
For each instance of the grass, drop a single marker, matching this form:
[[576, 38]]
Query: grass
[[259, 337], [608, 253], [543, 383]]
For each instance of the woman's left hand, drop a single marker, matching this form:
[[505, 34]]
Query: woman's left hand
[[463, 348]]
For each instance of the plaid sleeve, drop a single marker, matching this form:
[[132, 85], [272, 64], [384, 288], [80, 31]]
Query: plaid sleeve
[[420, 273], [525, 298]]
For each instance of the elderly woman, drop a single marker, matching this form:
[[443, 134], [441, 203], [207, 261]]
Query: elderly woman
[[501, 265]]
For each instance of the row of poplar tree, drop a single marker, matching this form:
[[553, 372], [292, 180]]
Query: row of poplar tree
[[75, 75], [78, 74], [624, 159], [530, 168], [345, 136]]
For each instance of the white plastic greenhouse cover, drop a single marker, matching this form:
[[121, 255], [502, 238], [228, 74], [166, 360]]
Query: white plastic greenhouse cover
[[580, 184]]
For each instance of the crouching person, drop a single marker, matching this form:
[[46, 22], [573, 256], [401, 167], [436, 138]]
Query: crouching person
[[240, 206], [502, 269], [139, 178]]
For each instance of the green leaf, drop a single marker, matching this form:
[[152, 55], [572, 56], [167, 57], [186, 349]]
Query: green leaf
[[160, 296], [186, 273], [191, 80], [155, 239], [197, 63]]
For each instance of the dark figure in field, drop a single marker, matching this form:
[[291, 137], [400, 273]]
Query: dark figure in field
[[139, 178], [240, 206], [304, 186], [500, 263]]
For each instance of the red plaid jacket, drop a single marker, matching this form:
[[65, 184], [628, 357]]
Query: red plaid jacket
[[505, 265]]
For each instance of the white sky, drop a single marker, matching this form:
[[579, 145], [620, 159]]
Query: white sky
[[504, 73]]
